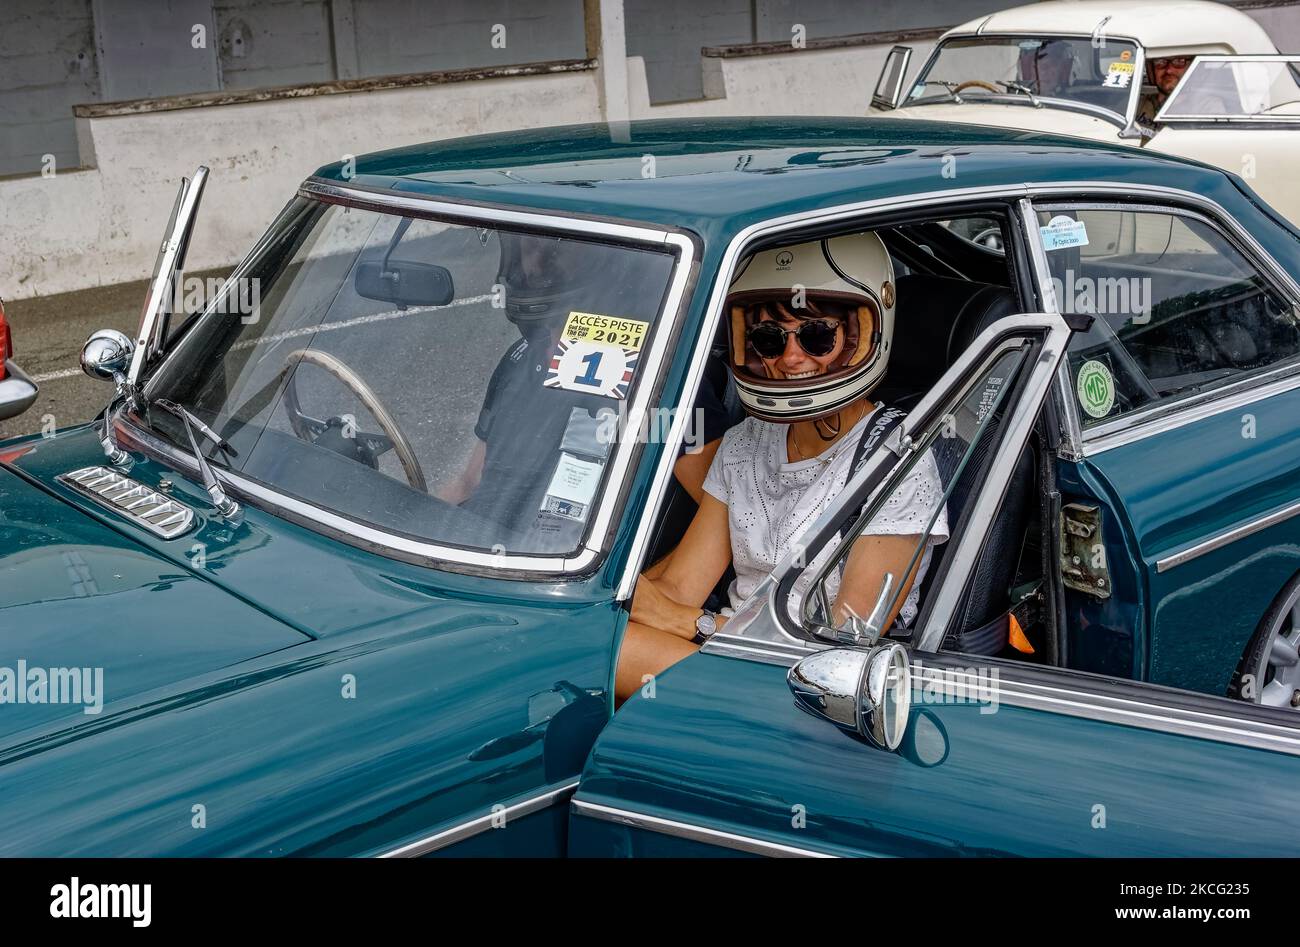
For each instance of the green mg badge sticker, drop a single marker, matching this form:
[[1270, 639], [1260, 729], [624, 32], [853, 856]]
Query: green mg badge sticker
[[1096, 389]]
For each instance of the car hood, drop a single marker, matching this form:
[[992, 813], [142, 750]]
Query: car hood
[[1057, 121], [89, 617]]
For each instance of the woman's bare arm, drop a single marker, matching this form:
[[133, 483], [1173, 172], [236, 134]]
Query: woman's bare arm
[[671, 599], [864, 575]]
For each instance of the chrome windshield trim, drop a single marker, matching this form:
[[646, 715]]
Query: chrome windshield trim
[[349, 530], [1165, 415], [386, 201], [1228, 536], [480, 824], [1115, 118], [762, 230], [692, 832], [384, 542]]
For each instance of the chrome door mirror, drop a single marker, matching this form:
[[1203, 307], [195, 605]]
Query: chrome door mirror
[[107, 355], [889, 87], [868, 693]]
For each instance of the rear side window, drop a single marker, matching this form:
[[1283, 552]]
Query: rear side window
[[1179, 309]]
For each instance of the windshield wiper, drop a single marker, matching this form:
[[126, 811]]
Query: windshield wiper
[[224, 505], [1022, 89]]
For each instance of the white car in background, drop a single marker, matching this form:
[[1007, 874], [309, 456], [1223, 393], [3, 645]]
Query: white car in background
[[1080, 67]]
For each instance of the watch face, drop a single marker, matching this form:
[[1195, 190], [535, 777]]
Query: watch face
[[706, 623]]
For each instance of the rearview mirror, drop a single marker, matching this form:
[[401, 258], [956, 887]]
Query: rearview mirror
[[405, 283]]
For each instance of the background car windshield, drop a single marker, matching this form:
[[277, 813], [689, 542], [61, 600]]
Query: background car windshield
[[1070, 69], [455, 384], [1247, 88]]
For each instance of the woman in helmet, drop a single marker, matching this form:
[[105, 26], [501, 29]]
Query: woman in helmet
[[811, 327]]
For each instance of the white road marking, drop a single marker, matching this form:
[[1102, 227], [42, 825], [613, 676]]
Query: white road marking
[[305, 330]]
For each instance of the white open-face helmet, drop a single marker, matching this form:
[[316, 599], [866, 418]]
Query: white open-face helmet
[[836, 297]]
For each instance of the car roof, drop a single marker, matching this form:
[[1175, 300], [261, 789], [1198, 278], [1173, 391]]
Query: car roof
[[719, 175], [1161, 26]]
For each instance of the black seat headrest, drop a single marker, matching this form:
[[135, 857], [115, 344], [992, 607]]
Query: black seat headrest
[[985, 307]]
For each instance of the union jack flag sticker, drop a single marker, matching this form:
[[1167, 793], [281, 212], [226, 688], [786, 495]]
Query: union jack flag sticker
[[605, 370]]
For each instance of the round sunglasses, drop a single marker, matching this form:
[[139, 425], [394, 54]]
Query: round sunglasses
[[815, 336]]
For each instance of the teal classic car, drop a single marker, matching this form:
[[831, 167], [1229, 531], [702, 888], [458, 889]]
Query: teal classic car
[[345, 565]]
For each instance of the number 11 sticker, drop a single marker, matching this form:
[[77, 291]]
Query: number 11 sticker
[[605, 370]]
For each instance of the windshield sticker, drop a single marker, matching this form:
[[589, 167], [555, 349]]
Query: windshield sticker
[[1062, 232], [572, 487], [1118, 76], [1096, 389], [605, 330], [604, 370], [1029, 45], [589, 434]]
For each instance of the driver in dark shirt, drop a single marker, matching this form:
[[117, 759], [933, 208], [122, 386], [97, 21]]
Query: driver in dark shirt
[[524, 426]]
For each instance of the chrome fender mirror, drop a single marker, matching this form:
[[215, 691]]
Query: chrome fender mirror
[[107, 355], [865, 692]]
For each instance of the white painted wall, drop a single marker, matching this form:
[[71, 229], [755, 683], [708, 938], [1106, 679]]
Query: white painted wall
[[102, 225], [803, 82]]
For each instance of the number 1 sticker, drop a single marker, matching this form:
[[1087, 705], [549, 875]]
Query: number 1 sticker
[[579, 365]]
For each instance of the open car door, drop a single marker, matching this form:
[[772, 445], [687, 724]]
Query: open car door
[[1242, 114], [784, 736]]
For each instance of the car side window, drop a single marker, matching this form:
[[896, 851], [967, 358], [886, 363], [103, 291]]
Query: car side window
[[1179, 309]]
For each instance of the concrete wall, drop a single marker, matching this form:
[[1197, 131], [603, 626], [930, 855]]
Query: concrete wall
[[1282, 23], [667, 36], [47, 65], [102, 226], [805, 82]]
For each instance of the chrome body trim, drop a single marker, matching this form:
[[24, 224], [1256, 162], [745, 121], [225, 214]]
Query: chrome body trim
[[1228, 536], [480, 824], [1071, 438], [1215, 722], [143, 507], [691, 832], [380, 540]]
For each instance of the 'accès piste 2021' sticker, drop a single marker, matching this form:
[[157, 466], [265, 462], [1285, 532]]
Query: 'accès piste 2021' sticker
[[597, 355]]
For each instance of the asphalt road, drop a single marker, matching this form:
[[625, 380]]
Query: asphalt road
[[48, 333]]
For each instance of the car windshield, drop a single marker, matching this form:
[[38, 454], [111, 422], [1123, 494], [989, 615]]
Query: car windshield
[[1067, 69], [459, 385], [1249, 87]]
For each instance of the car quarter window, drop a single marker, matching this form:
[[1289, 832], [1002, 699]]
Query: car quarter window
[[1179, 309], [909, 518]]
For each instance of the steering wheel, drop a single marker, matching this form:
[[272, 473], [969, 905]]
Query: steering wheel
[[367, 448], [975, 82]]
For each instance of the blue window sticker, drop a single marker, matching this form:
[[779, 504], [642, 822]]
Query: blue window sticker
[[1061, 232]]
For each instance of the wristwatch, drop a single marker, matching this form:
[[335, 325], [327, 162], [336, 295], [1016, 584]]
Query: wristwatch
[[705, 626]]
